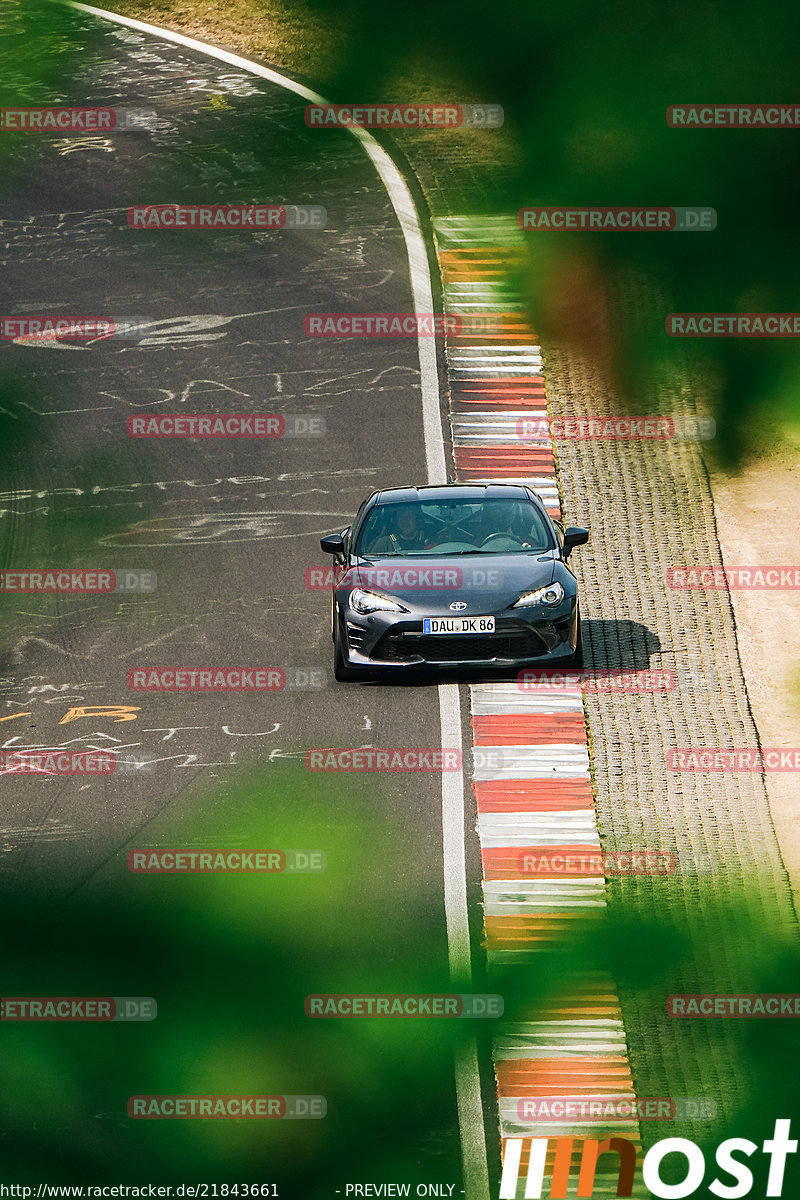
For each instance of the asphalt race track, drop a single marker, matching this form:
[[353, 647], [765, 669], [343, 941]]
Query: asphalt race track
[[228, 527], [607, 850]]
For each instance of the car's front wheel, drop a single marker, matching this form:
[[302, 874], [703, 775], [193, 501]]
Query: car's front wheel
[[342, 671], [576, 659]]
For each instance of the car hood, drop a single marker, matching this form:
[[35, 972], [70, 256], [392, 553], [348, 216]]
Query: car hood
[[484, 582]]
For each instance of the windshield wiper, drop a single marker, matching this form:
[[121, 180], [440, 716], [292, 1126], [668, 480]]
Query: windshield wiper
[[517, 550]]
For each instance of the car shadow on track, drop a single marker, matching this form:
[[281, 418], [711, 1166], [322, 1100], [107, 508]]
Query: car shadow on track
[[619, 645]]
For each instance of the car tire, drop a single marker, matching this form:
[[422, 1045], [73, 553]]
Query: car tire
[[577, 658], [342, 672]]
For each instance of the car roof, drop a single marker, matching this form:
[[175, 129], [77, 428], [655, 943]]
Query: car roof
[[442, 492]]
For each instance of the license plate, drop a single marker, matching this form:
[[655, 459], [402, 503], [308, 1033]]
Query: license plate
[[458, 625]]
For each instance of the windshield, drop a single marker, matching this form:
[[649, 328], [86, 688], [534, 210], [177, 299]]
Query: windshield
[[454, 527]]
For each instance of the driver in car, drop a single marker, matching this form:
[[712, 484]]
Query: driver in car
[[404, 533], [510, 521]]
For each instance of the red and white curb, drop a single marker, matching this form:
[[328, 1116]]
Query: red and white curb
[[540, 799], [493, 383]]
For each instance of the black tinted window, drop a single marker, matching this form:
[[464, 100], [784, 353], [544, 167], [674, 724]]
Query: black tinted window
[[456, 526]]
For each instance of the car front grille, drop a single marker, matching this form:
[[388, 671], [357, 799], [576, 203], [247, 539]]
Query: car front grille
[[461, 647]]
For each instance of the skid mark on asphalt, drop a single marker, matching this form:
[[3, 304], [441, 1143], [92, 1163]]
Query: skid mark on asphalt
[[20, 652], [52, 830], [166, 637], [224, 528]]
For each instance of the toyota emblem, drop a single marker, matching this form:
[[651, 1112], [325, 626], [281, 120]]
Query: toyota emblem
[[458, 605]]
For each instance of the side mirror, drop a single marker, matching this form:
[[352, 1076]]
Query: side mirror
[[574, 535], [332, 544]]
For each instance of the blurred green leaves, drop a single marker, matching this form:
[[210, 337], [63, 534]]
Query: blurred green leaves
[[585, 90], [230, 958]]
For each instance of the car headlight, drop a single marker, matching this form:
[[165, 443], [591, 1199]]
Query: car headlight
[[369, 602], [551, 595]]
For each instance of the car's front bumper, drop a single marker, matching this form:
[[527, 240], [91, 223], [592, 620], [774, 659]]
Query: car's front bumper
[[393, 643]]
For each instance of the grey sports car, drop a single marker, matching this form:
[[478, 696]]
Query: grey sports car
[[461, 575]]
